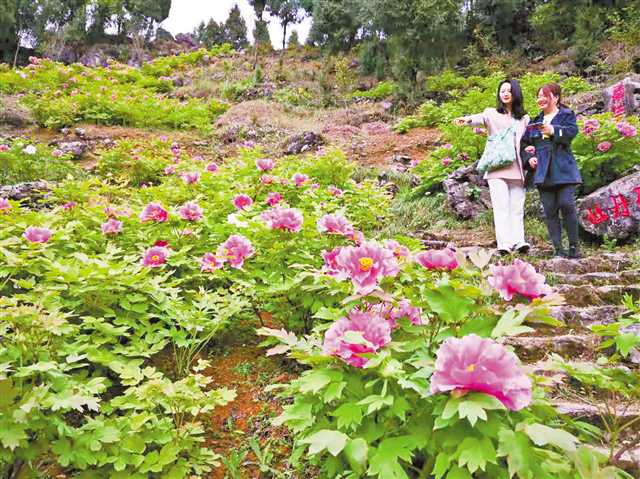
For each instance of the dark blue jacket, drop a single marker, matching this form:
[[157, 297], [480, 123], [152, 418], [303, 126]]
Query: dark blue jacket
[[556, 163]]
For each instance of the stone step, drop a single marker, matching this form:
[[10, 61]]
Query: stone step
[[535, 348], [587, 295], [598, 278], [581, 318], [593, 414], [605, 262]]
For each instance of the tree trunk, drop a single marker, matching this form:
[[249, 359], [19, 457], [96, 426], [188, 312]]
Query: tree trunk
[[284, 36], [15, 57]]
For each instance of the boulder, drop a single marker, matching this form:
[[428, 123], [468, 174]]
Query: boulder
[[30, 193], [164, 35], [624, 96], [187, 39], [306, 141], [613, 210], [467, 192], [14, 114], [97, 56], [75, 148]]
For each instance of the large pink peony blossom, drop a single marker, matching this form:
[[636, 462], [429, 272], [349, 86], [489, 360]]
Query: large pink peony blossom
[[518, 278], [235, 250], [242, 201], [4, 147], [375, 330], [111, 227], [4, 205], [273, 198], [212, 167], [334, 191], [155, 257], [399, 251], [366, 265], [331, 267], [300, 179], [287, 219], [37, 235], [154, 212], [265, 164], [190, 211], [626, 129], [210, 262], [482, 365], [335, 224], [438, 259]]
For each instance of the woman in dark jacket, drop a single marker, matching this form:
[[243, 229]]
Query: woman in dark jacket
[[547, 154]]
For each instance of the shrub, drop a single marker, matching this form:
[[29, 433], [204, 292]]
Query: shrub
[[381, 91], [30, 162]]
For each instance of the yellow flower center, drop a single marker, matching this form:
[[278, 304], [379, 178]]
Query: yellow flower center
[[471, 368], [227, 252], [155, 257], [365, 263]]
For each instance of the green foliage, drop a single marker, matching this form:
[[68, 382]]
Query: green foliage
[[292, 97], [19, 164], [381, 91]]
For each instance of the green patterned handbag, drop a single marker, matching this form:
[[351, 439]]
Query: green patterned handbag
[[499, 152]]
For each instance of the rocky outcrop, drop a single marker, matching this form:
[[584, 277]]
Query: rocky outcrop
[[467, 192], [303, 142], [613, 210], [30, 193], [14, 114]]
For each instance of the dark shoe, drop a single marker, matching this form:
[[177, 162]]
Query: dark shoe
[[574, 253], [560, 253], [504, 252], [522, 248]]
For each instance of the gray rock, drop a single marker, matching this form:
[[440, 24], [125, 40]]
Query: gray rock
[[30, 193], [80, 132], [75, 148], [467, 192], [582, 318], [97, 56], [162, 34], [613, 210], [631, 95], [303, 142], [187, 39], [590, 264], [531, 348], [13, 113], [586, 103]]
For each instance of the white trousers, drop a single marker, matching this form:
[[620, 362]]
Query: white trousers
[[507, 200]]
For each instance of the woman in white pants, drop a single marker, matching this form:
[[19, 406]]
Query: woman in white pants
[[506, 185]]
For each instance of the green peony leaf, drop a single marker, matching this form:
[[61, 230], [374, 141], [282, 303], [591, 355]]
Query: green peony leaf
[[356, 453], [542, 435], [332, 441]]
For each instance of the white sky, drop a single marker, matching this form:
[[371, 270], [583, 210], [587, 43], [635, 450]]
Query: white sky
[[186, 15]]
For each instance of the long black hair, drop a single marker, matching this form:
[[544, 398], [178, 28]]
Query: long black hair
[[517, 105]]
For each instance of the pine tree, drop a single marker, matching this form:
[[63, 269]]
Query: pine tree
[[236, 29], [261, 36], [289, 12], [294, 41]]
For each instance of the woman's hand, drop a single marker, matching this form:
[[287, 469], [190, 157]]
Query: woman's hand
[[547, 130], [533, 162], [460, 121]]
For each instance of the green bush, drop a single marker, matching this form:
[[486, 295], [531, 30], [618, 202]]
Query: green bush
[[381, 91], [24, 161]]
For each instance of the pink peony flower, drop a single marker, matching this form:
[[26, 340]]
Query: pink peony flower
[[591, 125], [4, 205], [155, 257], [399, 251], [235, 250], [111, 227], [447, 146], [69, 205], [266, 179], [170, 170], [314, 186], [273, 198], [366, 265], [265, 164], [154, 212], [519, 278], [299, 179], [530, 149], [357, 237], [482, 365], [57, 153], [438, 259], [190, 211], [446, 161], [604, 146], [4, 147], [331, 267], [210, 262], [626, 129], [288, 219], [405, 310], [242, 202], [335, 224], [374, 329], [161, 243], [37, 235], [190, 177], [212, 167], [334, 191]]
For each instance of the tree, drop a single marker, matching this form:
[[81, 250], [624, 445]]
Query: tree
[[289, 12], [236, 29], [211, 33], [261, 35], [335, 23]]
